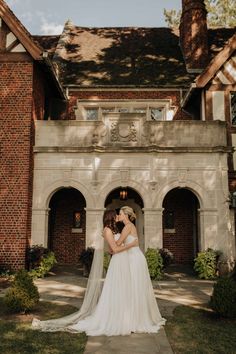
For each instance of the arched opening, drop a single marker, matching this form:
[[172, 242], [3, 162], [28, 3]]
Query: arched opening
[[128, 196], [67, 225], [181, 225]]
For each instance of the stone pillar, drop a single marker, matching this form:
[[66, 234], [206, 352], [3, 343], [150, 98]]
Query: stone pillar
[[40, 227], [94, 225], [153, 228], [208, 228]]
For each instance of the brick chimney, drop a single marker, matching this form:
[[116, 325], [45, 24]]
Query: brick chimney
[[193, 35]]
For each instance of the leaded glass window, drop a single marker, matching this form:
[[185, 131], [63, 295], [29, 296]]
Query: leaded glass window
[[233, 108]]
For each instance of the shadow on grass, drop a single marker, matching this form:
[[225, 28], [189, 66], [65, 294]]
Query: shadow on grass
[[18, 337], [193, 330]]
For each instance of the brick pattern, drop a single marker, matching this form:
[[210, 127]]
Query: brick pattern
[[66, 245], [16, 159], [181, 243], [131, 95], [193, 34]]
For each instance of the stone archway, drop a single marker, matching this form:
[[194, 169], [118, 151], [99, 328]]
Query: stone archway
[[67, 225], [181, 224], [134, 200]]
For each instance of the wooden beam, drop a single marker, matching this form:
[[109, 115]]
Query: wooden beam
[[15, 57], [3, 36]]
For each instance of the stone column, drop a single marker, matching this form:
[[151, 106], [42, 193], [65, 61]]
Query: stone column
[[40, 227], [208, 228], [94, 225], [153, 228]]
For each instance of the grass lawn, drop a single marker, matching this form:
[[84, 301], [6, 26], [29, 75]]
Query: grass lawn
[[16, 335], [200, 331]]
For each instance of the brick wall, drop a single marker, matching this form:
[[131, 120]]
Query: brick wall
[[132, 95], [184, 204], [66, 244], [15, 161]]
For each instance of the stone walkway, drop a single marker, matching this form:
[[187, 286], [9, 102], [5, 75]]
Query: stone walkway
[[68, 286]]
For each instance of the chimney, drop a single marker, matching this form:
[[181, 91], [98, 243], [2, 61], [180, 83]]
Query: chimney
[[193, 35]]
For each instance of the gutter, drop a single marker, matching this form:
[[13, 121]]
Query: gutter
[[188, 95], [51, 68]]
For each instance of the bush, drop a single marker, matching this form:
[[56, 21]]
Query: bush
[[34, 255], [23, 294], [155, 263], [223, 299], [205, 264], [167, 256], [106, 260], [48, 260]]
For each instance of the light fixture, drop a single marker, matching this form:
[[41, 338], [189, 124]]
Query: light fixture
[[123, 193]]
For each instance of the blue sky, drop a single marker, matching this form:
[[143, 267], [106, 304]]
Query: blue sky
[[49, 16]]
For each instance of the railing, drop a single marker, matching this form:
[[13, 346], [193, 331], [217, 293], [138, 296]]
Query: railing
[[130, 133]]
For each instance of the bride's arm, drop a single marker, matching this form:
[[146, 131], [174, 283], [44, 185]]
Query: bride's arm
[[125, 232], [111, 242]]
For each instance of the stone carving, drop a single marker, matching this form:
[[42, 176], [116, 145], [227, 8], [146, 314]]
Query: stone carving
[[123, 132]]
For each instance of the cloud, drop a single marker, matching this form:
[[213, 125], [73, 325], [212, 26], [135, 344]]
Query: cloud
[[51, 28]]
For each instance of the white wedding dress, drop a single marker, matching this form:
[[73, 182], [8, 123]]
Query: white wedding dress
[[127, 302]]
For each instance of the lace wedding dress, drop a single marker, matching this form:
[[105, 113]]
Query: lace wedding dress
[[127, 302]]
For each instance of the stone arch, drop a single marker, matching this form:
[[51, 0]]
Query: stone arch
[[194, 187], [55, 186], [143, 192]]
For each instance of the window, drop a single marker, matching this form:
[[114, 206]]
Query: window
[[233, 108], [91, 113], [156, 113]]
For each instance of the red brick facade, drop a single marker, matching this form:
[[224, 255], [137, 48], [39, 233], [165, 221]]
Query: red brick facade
[[66, 244], [183, 242], [16, 161]]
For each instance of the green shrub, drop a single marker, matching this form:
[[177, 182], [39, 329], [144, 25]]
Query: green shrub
[[205, 264], [106, 260], [23, 294], [223, 299], [155, 263], [47, 262]]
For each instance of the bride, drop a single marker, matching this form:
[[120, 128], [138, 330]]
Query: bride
[[127, 302]]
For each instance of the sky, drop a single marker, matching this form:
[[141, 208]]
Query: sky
[[49, 16]]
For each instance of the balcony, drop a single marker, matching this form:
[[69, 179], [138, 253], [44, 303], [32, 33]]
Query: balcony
[[130, 133]]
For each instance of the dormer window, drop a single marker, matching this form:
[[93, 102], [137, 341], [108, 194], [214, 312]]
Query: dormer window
[[156, 110]]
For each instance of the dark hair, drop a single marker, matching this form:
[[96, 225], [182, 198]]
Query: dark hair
[[109, 220]]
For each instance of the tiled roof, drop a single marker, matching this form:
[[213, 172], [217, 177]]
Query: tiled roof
[[49, 43], [124, 56]]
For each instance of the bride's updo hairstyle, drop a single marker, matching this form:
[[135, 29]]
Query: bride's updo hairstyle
[[109, 220], [129, 212]]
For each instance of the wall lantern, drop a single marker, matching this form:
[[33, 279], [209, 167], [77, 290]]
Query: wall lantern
[[123, 193]]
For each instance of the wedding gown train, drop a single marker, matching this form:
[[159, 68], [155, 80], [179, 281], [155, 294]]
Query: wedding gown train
[[127, 302]]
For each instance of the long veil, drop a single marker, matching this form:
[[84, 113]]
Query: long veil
[[92, 294]]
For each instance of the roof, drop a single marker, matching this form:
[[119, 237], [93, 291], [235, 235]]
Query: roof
[[217, 62], [33, 48], [124, 56], [120, 57]]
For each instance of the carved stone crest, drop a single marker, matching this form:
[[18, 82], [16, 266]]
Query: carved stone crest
[[123, 132]]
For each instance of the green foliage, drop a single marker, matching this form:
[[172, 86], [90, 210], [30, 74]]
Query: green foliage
[[23, 295], [205, 264], [221, 13], [223, 299], [155, 263], [106, 260], [47, 262]]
